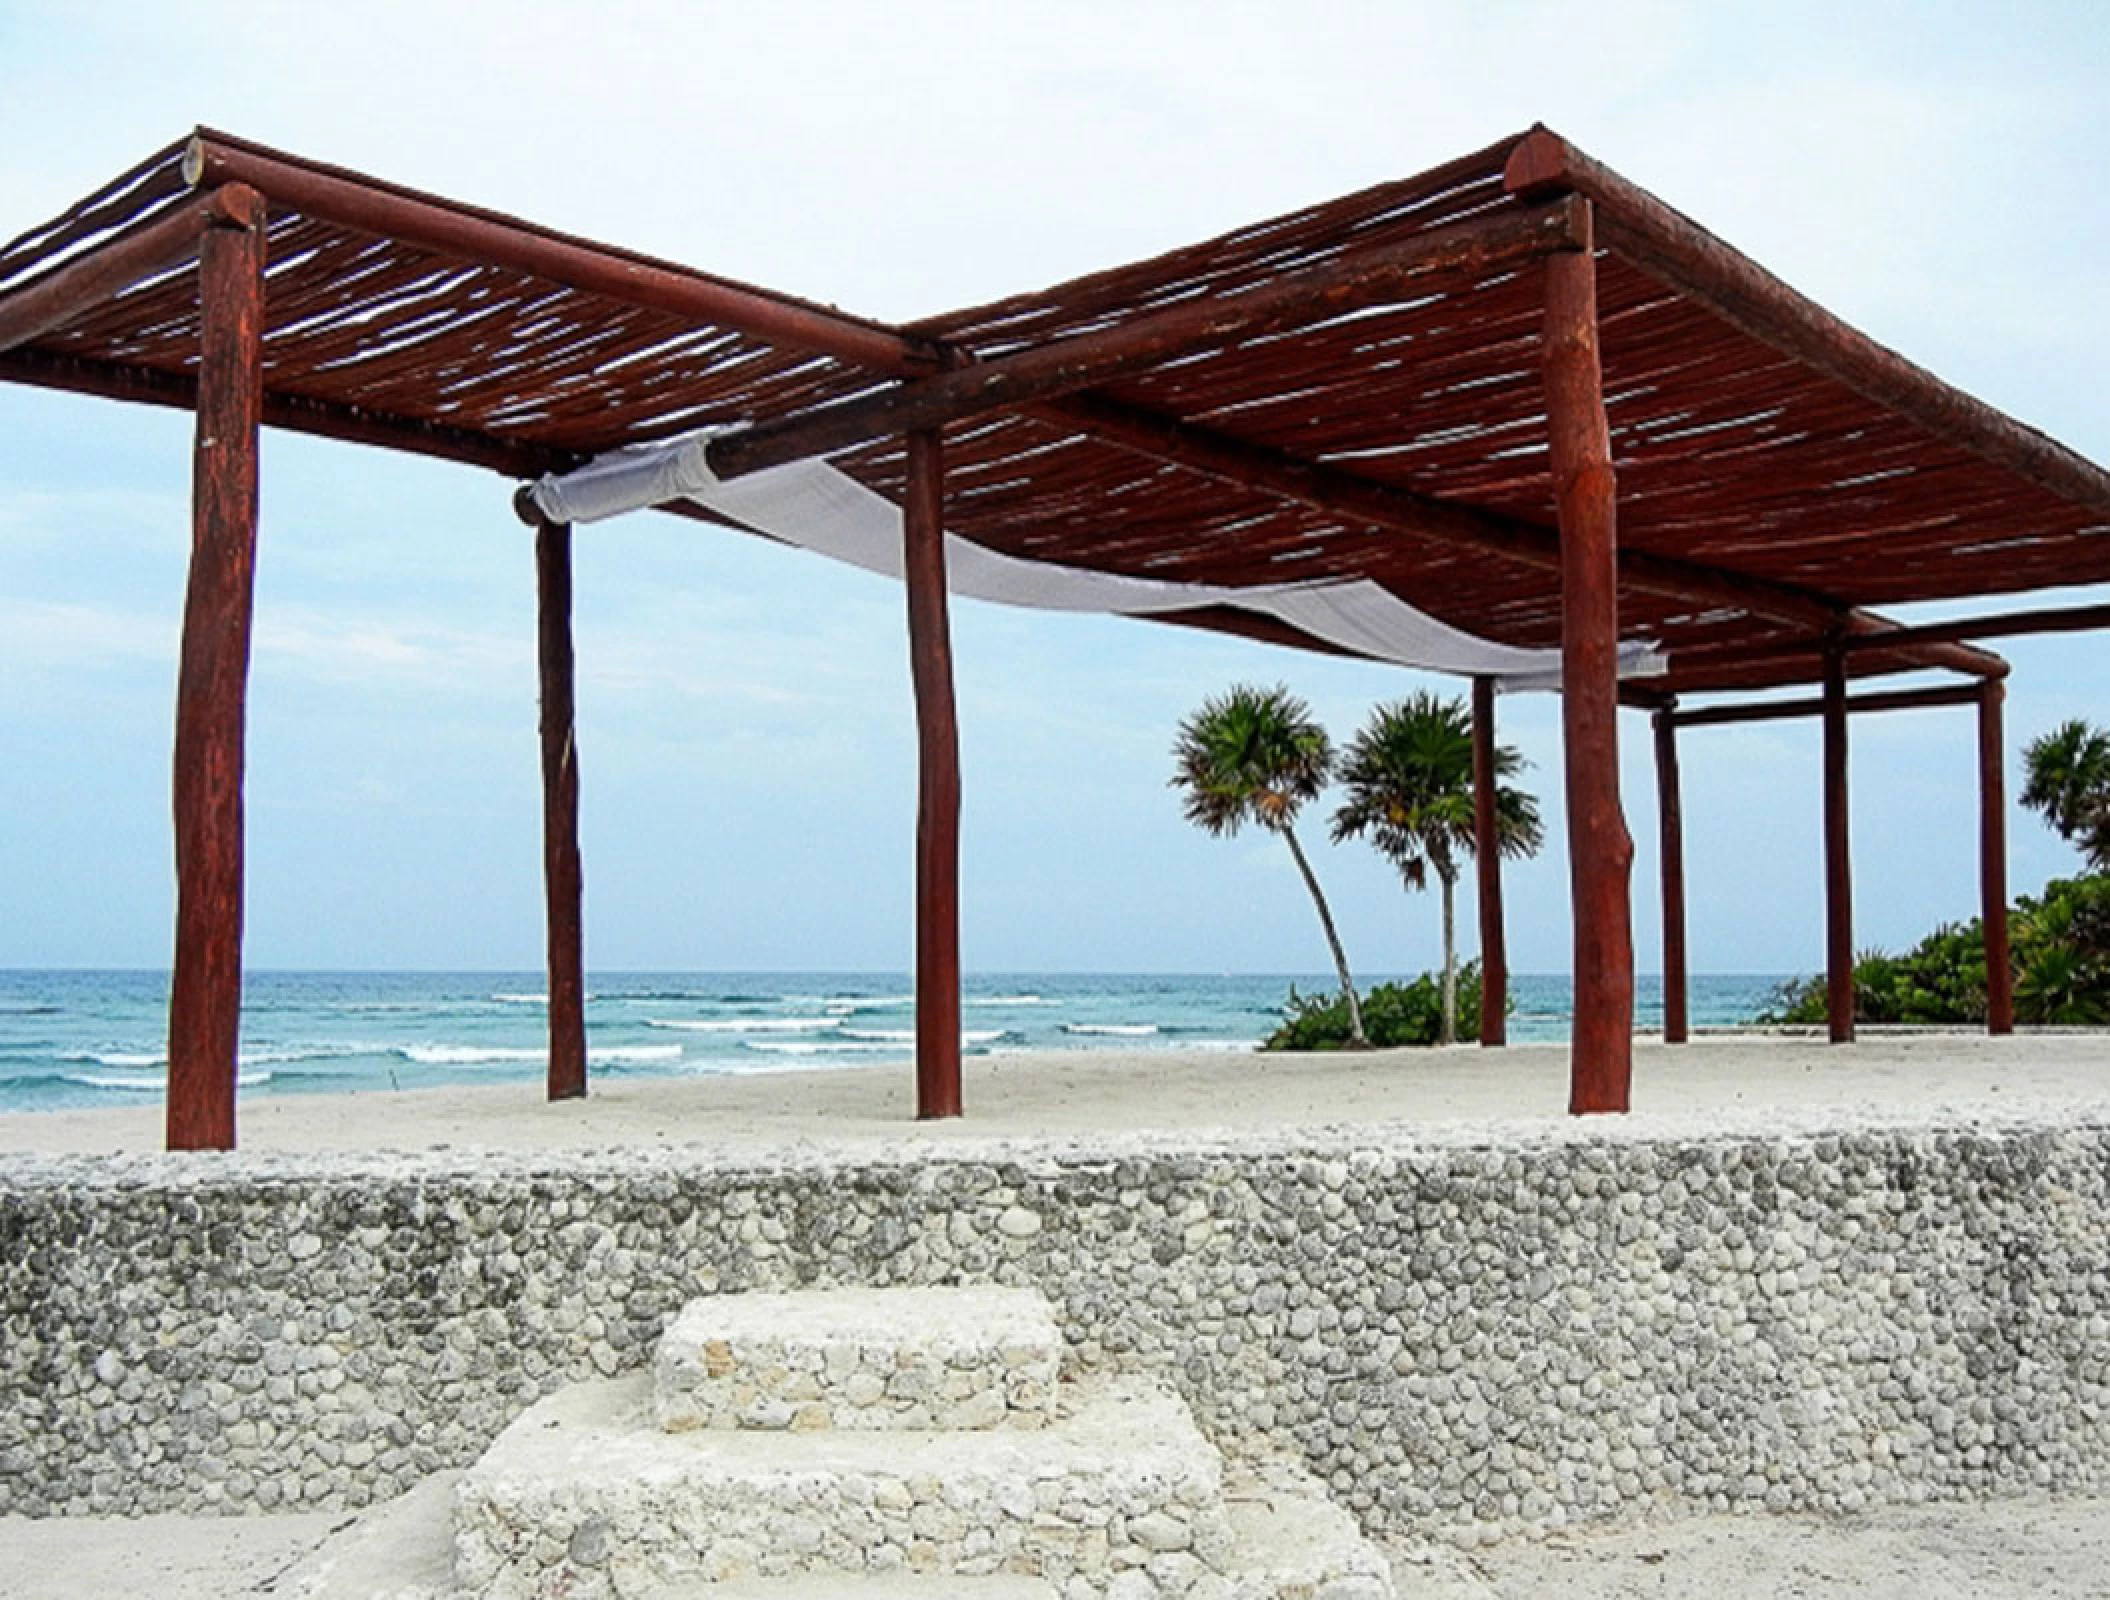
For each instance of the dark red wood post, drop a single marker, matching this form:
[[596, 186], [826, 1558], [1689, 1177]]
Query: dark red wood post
[[563, 879], [1487, 849], [1992, 860], [938, 783], [1600, 852], [205, 991], [1670, 852], [1838, 869]]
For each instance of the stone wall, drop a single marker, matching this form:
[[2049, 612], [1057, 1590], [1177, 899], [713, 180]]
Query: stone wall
[[1461, 1332]]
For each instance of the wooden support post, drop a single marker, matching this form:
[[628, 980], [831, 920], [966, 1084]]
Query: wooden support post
[[205, 992], [1600, 852], [1487, 851], [938, 784], [1838, 870], [562, 877], [1670, 834], [1992, 861]]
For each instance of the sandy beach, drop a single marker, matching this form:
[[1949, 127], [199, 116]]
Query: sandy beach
[[2006, 1548], [1740, 1079]]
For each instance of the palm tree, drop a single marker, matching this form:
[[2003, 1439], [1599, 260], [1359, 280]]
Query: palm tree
[[1409, 776], [1256, 755], [2069, 781]]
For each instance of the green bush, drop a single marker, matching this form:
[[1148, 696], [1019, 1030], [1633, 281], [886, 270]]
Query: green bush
[[1393, 1014], [2060, 945]]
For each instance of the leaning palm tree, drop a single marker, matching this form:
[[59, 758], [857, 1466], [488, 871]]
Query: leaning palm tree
[[1409, 776], [1256, 755], [2069, 781]]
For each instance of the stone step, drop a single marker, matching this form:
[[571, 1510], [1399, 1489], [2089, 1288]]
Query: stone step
[[829, 1585], [926, 1359], [1288, 1538], [583, 1497]]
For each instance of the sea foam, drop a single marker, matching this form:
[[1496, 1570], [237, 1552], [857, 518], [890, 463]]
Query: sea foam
[[746, 1024]]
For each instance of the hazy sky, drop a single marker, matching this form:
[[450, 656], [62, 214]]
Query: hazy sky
[[745, 726]]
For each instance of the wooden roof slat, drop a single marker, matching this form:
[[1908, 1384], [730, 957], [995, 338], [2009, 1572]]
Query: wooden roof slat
[[1767, 487]]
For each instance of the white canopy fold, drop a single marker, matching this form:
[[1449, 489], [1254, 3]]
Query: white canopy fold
[[816, 507]]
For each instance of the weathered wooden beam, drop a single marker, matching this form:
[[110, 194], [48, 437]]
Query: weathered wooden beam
[[205, 990], [1838, 868], [2052, 619], [1349, 495], [296, 413], [938, 784], [563, 879], [1670, 866], [469, 233], [76, 287], [1600, 852], [1487, 856], [1679, 253], [1992, 861], [1725, 674], [1064, 366], [1947, 694]]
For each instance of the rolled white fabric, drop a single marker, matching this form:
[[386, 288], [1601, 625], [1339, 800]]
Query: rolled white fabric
[[814, 506]]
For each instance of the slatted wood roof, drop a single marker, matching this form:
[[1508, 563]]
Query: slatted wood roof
[[1775, 470]]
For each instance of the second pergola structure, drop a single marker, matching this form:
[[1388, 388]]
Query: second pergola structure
[[1516, 392]]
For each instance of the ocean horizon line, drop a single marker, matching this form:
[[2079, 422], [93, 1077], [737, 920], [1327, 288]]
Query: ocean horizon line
[[983, 973]]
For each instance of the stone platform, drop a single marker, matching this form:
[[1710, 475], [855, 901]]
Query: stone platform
[[860, 1358], [721, 1473]]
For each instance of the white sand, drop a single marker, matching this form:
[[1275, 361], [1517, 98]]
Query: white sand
[[1729, 1081], [2000, 1551]]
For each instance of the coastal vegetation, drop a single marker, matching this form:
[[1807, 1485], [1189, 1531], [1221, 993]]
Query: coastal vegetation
[[1409, 777], [1394, 1013], [2060, 938], [1258, 755]]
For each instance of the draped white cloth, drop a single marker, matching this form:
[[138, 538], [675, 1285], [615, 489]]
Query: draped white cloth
[[814, 506]]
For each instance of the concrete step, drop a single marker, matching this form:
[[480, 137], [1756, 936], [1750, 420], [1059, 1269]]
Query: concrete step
[[925, 1359], [584, 1497]]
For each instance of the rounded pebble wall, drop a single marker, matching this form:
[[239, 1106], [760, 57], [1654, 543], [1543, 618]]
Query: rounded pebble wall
[[1464, 1338]]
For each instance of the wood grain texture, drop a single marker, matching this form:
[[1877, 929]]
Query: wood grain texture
[[205, 990], [1600, 851], [563, 875], [1838, 864], [1487, 863], [1670, 858], [1992, 859], [937, 786]]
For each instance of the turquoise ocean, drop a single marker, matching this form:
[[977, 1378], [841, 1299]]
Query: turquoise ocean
[[93, 1038], [100, 1037]]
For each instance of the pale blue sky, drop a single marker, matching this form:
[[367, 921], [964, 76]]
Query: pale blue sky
[[745, 724]]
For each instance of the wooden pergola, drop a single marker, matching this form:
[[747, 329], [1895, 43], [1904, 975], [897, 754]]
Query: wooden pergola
[[1517, 391]]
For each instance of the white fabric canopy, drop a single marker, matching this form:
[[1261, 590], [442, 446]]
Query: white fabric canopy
[[814, 506]]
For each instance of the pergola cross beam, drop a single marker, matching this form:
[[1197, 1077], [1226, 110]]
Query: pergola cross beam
[[1356, 281]]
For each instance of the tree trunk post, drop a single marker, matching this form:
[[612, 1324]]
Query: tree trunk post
[[938, 783], [1992, 860], [1838, 868], [1600, 852], [1670, 850], [563, 879], [1487, 855], [205, 991]]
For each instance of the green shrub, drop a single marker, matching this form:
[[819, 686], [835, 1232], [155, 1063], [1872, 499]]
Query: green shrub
[[1393, 1014], [2060, 945]]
